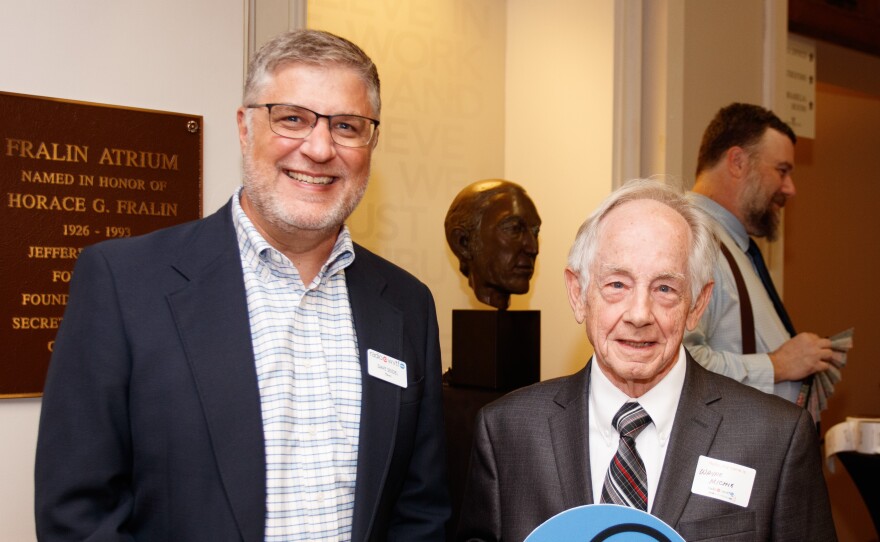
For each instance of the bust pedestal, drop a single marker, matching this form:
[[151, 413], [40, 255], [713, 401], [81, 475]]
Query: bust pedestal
[[495, 350]]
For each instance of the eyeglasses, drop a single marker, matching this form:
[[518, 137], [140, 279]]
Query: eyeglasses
[[295, 122]]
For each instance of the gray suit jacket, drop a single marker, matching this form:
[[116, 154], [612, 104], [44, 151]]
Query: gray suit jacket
[[530, 461], [151, 427]]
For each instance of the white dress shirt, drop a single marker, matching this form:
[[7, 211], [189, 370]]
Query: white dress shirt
[[660, 402]]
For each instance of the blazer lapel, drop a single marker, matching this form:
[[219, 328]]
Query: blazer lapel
[[379, 326], [569, 436], [692, 434], [212, 319]]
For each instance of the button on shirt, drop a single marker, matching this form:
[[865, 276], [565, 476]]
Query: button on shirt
[[660, 402], [309, 378]]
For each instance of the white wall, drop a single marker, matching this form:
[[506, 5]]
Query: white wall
[[163, 54]]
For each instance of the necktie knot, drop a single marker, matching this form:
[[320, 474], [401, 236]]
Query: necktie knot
[[630, 420], [754, 252]]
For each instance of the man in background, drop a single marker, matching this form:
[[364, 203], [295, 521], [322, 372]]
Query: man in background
[[743, 181], [254, 375], [643, 425]]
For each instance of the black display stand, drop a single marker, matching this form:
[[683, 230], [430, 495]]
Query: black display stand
[[493, 352], [496, 350], [863, 469]]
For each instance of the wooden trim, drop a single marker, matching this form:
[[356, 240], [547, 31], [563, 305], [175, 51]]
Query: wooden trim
[[849, 23]]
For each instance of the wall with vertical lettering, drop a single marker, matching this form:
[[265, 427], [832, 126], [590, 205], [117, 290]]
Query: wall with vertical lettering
[[442, 68], [476, 89]]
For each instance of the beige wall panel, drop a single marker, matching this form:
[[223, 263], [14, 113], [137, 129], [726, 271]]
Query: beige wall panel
[[560, 102], [441, 64]]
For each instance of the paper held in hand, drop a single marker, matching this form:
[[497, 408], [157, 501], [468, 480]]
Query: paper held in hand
[[815, 391]]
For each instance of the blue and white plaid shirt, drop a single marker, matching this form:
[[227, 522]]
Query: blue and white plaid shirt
[[309, 377]]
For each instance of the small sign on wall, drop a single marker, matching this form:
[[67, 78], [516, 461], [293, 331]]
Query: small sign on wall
[[800, 86], [72, 174]]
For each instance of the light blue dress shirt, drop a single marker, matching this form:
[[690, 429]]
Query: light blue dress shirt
[[716, 342]]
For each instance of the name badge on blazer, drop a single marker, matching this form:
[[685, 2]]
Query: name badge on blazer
[[386, 368], [724, 481]]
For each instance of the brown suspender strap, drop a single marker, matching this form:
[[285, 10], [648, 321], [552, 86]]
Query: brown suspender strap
[[747, 322], [747, 319]]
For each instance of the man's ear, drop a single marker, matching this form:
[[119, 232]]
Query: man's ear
[[575, 297], [242, 128], [693, 317], [461, 244], [737, 161]]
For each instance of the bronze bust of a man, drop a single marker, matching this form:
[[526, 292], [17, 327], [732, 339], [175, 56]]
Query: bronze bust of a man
[[492, 228]]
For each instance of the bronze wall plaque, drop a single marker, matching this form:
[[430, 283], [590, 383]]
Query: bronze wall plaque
[[75, 173]]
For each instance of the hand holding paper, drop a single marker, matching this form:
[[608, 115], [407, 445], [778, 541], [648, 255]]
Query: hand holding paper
[[815, 391]]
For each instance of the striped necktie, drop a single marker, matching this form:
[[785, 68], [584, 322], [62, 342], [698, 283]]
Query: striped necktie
[[626, 482]]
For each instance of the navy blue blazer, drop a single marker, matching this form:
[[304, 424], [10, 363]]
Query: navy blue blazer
[[151, 426]]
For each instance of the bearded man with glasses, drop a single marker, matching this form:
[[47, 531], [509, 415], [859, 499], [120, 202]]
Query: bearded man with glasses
[[254, 375]]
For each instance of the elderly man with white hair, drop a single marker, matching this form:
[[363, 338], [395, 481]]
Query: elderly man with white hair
[[643, 424]]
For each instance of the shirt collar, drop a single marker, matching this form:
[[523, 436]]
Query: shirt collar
[[660, 402], [724, 217], [254, 247]]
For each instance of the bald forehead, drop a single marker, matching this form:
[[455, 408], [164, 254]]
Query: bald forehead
[[640, 220], [644, 212]]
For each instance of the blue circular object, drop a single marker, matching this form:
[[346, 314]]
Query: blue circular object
[[604, 522]]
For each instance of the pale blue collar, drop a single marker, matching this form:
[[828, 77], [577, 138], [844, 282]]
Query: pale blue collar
[[730, 223]]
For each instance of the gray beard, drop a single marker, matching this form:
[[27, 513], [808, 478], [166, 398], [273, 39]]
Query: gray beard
[[761, 219], [286, 219], [763, 223]]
